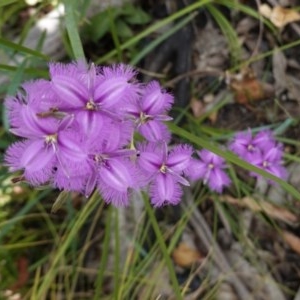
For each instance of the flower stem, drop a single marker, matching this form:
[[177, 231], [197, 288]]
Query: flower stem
[[163, 247], [72, 29]]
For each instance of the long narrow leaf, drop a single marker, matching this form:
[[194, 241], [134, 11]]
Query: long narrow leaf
[[72, 29], [22, 49], [163, 248], [7, 2], [155, 27], [160, 39]]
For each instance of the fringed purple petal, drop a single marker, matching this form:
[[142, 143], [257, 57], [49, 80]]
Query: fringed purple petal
[[180, 157], [264, 137], [241, 142], [114, 86], [165, 190], [155, 100], [40, 95], [90, 122], [72, 93], [278, 170], [72, 183], [273, 154], [196, 170], [69, 82], [116, 135], [155, 131], [218, 179], [113, 196], [73, 149], [150, 157], [34, 158], [211, 158], [116, 178], [25, 121], [117, 173], [91, 183]]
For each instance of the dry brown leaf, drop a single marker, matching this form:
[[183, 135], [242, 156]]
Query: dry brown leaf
[[292, 240], [185, 256], [278, 15], [197, 107], [247, 88], [270, 209], [213, 117]]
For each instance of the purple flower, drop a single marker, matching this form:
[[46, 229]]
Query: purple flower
[[242, 145], [210, 169], [44, 151], [103, 162], [150, 110], [164, 171], [260, 150], [115, 174], [246, 146], [24, 108], [270, 160], [92, 94]]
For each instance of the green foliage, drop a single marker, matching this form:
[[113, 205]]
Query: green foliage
[[49, 232], [123, 17]]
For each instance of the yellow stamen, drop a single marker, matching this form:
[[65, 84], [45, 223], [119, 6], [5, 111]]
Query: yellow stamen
[[163, 169], [90, 105], [51, 138], [144, 118]]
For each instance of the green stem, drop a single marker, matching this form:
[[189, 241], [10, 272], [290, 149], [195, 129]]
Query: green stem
[[72, 30], [104, 256], [163, 247], [67, 241], [116, 254], [154, 27]]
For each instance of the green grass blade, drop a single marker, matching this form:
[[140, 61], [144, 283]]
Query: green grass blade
[[22, 49], [29, 205], [116, 254], [160, 39], [266, 54], [72, 30], [114, 34], [153, 28], [163, 248], [29, 71], [7, 2], [229, 156], [67, 241], [104, 256], [229, 32]]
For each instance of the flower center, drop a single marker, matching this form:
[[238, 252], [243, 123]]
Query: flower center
[[101, 158], [144, 118], [250, 147], [211, 166], [51, 138], [163, 169], [91, 105], [266, 164]]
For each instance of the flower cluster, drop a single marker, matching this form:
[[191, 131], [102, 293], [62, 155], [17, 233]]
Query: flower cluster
[[261, 151], [78, 129], [79, 132]]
